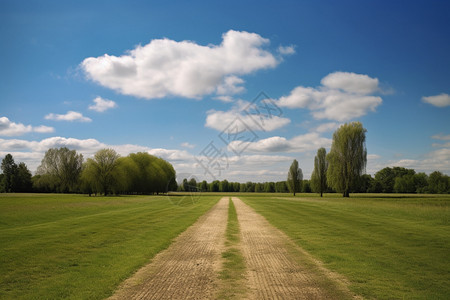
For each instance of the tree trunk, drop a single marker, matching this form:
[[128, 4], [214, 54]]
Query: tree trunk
[[294, 194], [321, 194]]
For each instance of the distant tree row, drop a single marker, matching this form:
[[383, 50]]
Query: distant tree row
[[342, 169], [192, 185], [65, 171]]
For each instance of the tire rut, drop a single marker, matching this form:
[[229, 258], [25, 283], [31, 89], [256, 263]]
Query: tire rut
[[274, 272], [189, 268]]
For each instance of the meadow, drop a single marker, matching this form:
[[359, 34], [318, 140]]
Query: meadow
[[56, 246], [388, 246], [79, 247]]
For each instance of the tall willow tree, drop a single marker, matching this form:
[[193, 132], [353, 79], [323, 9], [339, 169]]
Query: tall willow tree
[[347, 158], [319, 175], [295, 177]]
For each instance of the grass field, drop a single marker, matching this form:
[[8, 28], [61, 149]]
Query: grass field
[[80, 247], [388, 246]]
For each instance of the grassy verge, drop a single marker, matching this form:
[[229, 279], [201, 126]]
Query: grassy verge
[[388, 247], [233, 270], [79, 247]]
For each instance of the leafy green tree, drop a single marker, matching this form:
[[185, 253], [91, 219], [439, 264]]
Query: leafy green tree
[[421, 183], [269, 187], [364, 184], [386, 177], [9, 169], [224, 186], [63, 166], [102, 171], [204, 186], [294, 178], [24, 183], [319, 174], [404, 184], [306, 186], [347, 158], [438, 183], [281, 187]]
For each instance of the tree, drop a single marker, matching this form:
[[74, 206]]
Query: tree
[[64, 167], [347, 158], [9, 169], [101, 170], [295, 177], [319, 175], [23, 183], [438, 183]]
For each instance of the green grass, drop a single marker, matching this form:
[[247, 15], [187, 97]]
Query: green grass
[[388, 246], [80, 247], [233, 269]]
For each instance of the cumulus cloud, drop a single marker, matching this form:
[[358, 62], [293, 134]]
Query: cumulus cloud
[[187, 145], [9, 128], [244, 116], [301, 143], [342, 96], [165, 67], [288, 50], [101, 105], [71, 116], [441, 137], [32, 152], [441, 100], [326, 127]]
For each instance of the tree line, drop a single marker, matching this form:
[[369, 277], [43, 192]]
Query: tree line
[[342, 170], [65, 171]]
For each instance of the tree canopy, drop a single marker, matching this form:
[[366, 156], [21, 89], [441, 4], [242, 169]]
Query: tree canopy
[[294, 178], [319, 174], [347, 158]]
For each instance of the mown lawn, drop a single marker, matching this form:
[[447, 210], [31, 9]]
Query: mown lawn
[[80, 247], [388, 246]]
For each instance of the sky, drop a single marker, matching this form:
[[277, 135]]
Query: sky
[[226, 89]]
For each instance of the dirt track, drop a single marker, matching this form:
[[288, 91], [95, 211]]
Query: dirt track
[[273, 271], [276, 267], [189, 268]]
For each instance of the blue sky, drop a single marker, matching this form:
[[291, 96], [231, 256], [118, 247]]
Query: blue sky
[[183, 81]]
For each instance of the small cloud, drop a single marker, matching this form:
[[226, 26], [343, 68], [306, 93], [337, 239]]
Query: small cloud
[[226, 99], [187, 145], [71, 116], [373, 156], [441, 100], [288, 50], [9, 128], [326, 127], [102, 105], [441, 137]]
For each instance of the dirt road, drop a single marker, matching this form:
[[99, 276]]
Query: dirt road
[[273, 263], [276, 268], [189, 268]]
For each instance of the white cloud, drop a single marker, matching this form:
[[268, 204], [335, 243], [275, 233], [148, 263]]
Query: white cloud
[[102, 105], [231, 85], [342, 97], [288, 50], [187, 145], [326, 127], [351, 82], [441, 137], [301, 143], [441, 100], [242, 117], [69, 116], [9, 128], [224, 98], [165, 67]]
